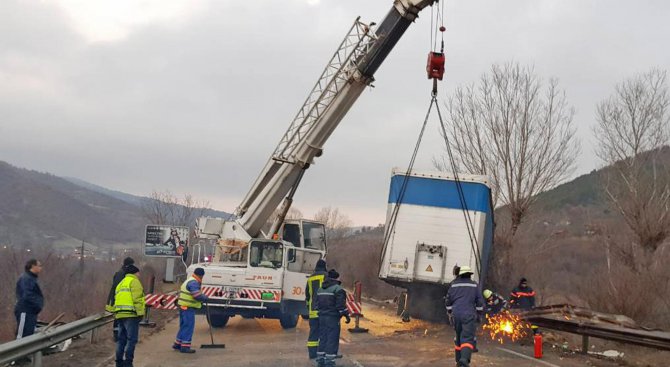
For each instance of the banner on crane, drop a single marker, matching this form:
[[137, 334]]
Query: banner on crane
[[165, 240]]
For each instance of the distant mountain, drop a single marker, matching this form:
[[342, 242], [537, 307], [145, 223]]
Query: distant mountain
[[133, 199], [128, 198], [38, 209]]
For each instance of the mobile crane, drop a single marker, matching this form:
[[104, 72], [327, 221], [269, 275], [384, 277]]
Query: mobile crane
[[257, 273]]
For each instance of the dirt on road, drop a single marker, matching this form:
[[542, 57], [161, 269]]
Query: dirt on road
[[390, 342]]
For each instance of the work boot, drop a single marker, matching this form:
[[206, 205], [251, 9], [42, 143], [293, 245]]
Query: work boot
[[176, 346], [187, 350]]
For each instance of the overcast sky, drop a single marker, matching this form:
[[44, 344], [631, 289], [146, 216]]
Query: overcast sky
[[193, 96]]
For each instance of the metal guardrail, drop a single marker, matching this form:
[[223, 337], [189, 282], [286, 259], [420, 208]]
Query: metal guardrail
[[651, 339], [34, 344], [587, 323]]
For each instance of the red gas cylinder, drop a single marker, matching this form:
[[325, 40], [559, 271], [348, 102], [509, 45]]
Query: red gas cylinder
[[435, 67], [537, 338]]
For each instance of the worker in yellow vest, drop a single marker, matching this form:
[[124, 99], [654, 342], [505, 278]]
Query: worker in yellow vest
[[190, 299], [313, 284], [128, 310]]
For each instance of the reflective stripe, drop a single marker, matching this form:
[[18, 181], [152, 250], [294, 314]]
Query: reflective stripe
[[313, 343], [473, 285], [479, 308], [22, 325], [467, 345], [313, 284], [326, 294]]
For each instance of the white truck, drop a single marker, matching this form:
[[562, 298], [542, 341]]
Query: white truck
[[256, 273], [435, 222]]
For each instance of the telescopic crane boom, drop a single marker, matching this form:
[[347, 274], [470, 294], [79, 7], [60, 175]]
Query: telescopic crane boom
[[349, 71]]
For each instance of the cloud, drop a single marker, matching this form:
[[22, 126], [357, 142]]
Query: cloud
[[139, 96]]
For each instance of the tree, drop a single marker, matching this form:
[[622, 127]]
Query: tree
[[516, 129], [166, 208], [631, 132], [337, 224]]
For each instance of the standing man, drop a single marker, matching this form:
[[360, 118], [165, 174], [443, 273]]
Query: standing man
[[29, 299], [465, 306], [128, 310], [331, 303], [190, 299], [523, 298], [116, 279], [314, 282], [494, 302]]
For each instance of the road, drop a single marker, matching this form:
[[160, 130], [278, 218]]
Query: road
[[254, 342]]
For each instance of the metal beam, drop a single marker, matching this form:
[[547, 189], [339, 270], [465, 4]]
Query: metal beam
[[24, 347], [651, 339]]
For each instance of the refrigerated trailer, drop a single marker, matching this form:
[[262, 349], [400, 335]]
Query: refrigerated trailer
[[434, 224]]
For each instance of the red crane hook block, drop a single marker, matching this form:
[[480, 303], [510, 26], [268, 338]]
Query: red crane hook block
[[435, 66]]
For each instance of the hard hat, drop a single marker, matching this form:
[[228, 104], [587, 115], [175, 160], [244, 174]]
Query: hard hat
[[487, 293], [465, 270]]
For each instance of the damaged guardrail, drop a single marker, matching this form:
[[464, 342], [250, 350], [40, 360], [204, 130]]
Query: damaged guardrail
[[34, 344], [588, 323]]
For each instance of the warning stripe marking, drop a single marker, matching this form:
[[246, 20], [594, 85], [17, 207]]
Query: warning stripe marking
[[353, 306]]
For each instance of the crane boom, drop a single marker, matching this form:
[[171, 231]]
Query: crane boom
[[349, 71]]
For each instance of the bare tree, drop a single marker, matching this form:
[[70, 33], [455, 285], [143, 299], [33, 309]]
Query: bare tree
[[631, 131], [166, 208], [516, 129], [337, 224]]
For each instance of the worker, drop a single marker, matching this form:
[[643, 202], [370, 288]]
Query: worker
[[465, 307], [29, 299], [331, 303], [494, 303], [314, 282], [523, 298], [190, 299], [116, 279], [128, 310]]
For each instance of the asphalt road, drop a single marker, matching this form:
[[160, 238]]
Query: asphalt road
[[254, 342]]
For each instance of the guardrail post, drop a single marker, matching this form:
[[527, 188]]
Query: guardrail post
[[585, 344], [37, 359]]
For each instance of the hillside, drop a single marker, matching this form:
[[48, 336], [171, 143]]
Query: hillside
[[41, 209]]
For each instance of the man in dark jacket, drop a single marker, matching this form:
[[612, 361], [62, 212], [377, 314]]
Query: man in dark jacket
[[331, 302], [465, 307], [314, 282], [29, 299], [118, 277], [523, 298]]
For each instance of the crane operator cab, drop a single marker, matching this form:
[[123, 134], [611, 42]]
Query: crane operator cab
[[308, 238]]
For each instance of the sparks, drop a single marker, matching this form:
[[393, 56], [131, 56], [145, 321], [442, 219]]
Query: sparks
[[506, 326]]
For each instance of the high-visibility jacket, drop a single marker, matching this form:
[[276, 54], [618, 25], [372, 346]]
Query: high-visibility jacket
[[129, 298], [313, 284], [189, 293]]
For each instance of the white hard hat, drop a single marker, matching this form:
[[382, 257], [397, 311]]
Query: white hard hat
[[464, 270]]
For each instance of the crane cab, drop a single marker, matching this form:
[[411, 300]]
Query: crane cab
[[304, 233]]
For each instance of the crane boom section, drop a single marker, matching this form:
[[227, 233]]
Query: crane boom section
[[349, 71]]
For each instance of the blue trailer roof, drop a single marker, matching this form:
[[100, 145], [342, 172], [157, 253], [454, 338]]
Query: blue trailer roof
[[440, 193]]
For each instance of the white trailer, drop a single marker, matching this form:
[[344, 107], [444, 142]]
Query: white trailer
[[431, 228]]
